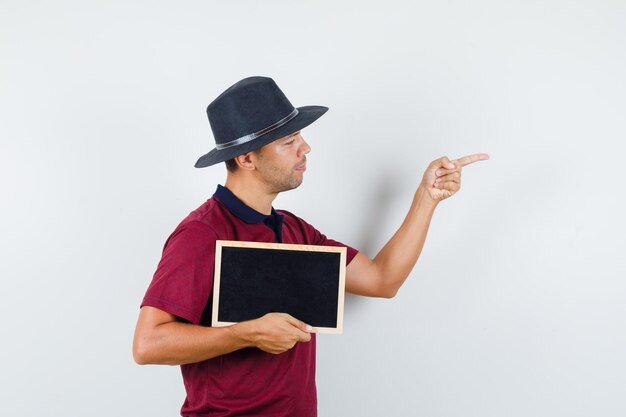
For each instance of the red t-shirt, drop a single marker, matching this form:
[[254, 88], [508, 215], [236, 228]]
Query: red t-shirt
[[248, 381]]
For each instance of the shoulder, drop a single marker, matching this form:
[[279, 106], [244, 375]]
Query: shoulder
[[206, 213], [198, 226], [289, 216], [300, 227], [291, 219], [191, 234], [211, 215]]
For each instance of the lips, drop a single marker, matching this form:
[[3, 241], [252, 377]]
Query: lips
[[302, 166]]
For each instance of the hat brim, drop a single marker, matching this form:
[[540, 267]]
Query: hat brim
[[306, 116]]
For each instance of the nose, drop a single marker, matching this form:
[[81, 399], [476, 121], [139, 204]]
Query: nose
[[304, 147]]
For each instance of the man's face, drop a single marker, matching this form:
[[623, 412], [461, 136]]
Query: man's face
[[281, 164]]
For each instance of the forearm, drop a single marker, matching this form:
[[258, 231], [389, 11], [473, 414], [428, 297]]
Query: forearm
[[398, 257], [176, 343], [385, 274], [161, 338]]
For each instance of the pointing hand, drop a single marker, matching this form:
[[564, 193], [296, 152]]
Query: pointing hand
[[442, 178]]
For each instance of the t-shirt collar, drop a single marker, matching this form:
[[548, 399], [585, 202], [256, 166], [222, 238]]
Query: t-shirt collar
[[241, 210]]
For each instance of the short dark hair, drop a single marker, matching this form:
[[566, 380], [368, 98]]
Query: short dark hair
[[231, 165]]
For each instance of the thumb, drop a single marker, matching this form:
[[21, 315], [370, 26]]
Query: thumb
[[300, 324]]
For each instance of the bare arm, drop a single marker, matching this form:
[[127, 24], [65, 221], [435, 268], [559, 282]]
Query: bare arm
[[384, 275], [160, 338]]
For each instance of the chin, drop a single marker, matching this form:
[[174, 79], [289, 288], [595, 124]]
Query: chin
[[293, 185]]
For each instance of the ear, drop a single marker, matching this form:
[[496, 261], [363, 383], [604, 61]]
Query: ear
[[245, 161]]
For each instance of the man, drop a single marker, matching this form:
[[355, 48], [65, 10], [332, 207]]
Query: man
[[266, 366]]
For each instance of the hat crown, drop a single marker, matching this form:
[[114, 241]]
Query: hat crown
[[247, 107]]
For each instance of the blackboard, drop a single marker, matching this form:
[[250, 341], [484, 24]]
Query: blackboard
[[255, 278]]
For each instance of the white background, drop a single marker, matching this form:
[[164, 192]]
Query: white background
[[517, 304]]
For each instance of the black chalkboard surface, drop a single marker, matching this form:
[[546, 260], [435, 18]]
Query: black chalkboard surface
[[254, 278]]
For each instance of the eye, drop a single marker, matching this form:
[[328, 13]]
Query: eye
[[289, 142]]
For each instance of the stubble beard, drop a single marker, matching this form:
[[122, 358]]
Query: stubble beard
[[278, 181]]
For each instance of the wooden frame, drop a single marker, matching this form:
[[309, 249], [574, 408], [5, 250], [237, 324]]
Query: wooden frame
[[222, 245]]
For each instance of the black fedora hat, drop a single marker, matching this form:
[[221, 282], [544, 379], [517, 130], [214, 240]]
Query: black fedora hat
[[250, 114]]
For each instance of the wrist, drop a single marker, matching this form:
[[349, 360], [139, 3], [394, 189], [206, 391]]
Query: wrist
[[423, 198], [244, 334]]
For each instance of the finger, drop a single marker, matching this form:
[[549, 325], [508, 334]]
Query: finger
[[299, 335], [304, 337], [443, 162], [470, 159], [450, 186], [298, 324], [454, 177], [441, 172]]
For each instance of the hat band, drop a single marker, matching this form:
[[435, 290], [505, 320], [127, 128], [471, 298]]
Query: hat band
[[252, 136]]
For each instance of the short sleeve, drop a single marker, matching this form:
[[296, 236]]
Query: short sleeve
[[315, 237], [183, 279], [322, 240]]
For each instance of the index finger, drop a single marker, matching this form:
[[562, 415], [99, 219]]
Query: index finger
[[470, 159]]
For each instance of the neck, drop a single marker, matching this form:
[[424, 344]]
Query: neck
[[252, 194]]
